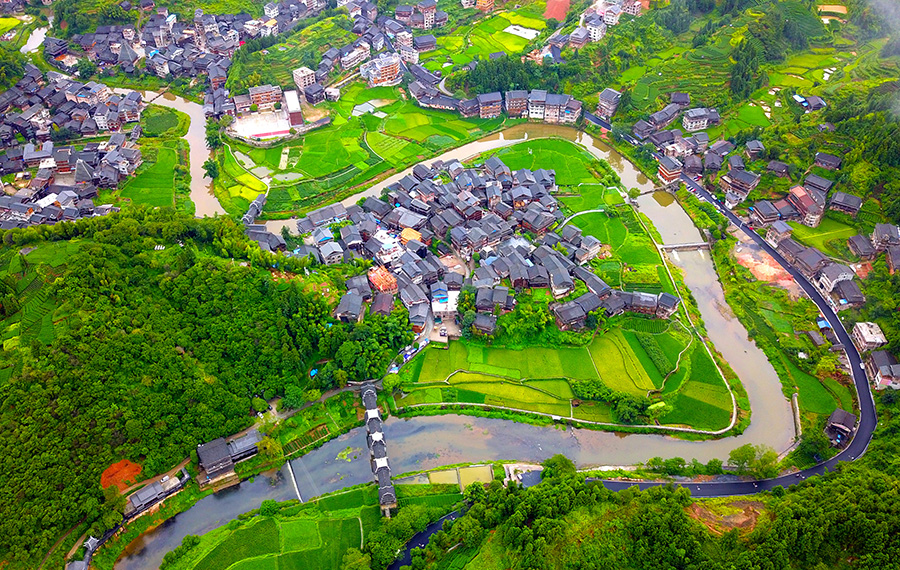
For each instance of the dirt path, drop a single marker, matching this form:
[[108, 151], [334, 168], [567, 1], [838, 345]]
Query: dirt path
[[56, 545]]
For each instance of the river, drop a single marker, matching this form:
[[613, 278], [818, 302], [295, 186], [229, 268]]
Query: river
[[202, 195], [426, 442]]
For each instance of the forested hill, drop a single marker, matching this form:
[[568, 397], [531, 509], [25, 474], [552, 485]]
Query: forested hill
[[843, 520], [115, 349]]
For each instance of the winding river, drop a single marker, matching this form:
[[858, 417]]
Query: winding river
[[426, 442]]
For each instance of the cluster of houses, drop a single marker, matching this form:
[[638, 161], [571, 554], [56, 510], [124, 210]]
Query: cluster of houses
[[834, 279], [808, 202], [35, 108], [881, 366], [59, 183], [381, 469], [537, 105], [217, 457], [154, 493], [482, 213]]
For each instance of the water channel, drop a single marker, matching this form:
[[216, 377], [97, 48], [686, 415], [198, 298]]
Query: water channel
[[202, 195], [426, 442]]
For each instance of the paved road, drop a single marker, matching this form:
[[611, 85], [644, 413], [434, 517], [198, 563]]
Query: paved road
[[867, 421]]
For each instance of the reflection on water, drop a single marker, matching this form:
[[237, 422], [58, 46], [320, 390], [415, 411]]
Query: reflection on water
[[35, 40], [664, 198]]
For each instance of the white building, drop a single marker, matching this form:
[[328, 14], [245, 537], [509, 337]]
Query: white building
[[304, 77], [271, 10], [595, 27], [611, 16], [867, 336]]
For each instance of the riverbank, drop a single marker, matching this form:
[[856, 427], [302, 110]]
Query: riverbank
[[425, 442]]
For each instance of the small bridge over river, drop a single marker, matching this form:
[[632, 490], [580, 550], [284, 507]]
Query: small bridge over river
[[685, 246]]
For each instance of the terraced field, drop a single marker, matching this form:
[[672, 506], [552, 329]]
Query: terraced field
[[537, 379]]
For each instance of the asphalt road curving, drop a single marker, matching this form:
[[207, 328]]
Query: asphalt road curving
[[867, 416]]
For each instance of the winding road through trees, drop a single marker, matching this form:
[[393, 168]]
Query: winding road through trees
[[867, 416]]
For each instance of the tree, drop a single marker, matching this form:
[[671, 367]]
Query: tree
[[268, 508], [294, 396], [86, 68], [254, 108], [269, 448], [633, 193], [474, 492], [213, 136], [391, 382], [558, 466], [552, 23], [211, 167], [356, 560], [741, 458], [259, 405]]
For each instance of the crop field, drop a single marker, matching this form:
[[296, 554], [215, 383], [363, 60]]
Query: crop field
[[154, 184], [253, 541], [560, 154], [591, 196], [829, 230], [237, 186], [393, 150], [702, 400], [6, 24], [479, 41], [316, 534], [159, 121], [535, 379], [304, 47], [618, 365]]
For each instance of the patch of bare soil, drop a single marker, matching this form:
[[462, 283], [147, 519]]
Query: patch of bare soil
[[763, 266], [720, 524]]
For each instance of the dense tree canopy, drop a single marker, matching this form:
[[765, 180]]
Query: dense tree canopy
[[161, 350]]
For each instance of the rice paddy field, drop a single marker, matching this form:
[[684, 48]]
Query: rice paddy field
[[480, 40], [302, 48], [352, 150], [315, 534], [634, 262], [154, 184], [537, 379], [572, 164], [6, 24], [235, 187], [41, 315]]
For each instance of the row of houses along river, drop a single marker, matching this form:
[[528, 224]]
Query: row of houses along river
[[427, 442]]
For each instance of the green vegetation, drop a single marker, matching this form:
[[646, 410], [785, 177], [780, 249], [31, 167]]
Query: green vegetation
[[196, 328], [536, 379], [154, 185], [158, 121], [6, 24], [318, 534], [822, 237], [334, 161], [480, 40]]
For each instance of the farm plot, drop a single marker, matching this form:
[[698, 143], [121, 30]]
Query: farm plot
[[562, 154], [829, 230], [253, 541], [395, 151], [488, 36], [154, 184], [619, 367], [6, 24]]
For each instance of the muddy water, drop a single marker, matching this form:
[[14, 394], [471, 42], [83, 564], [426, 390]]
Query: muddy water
[[201, 187], [426, 442], [35, 40]]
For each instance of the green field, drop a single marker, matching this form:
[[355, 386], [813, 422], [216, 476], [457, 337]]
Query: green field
[[618, 365], [570, 162], [479, 41], [819, 238], [159, 121], [257, 540], [6, 24], [537, 379], [154, 184], [235, 187], [309, 535]]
